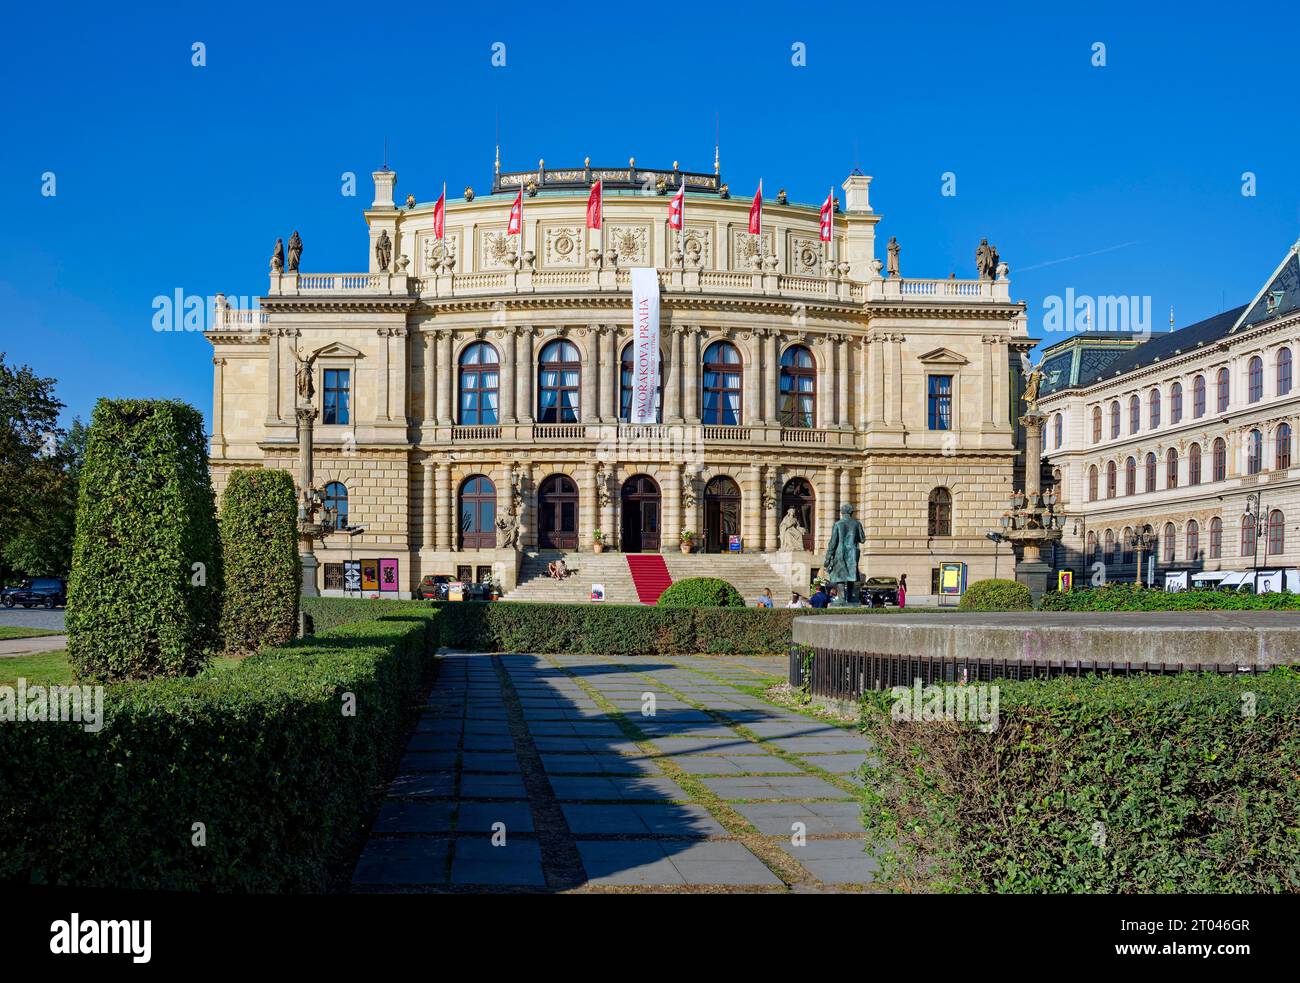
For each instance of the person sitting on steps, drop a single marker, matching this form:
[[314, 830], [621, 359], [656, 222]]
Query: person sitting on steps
[[557, 569]]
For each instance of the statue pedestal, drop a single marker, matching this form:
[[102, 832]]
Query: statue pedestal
[[1036, 575], [309, 565]]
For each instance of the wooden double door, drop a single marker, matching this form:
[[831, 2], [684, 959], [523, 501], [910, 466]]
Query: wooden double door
[[557, 513], [641, 512], [721, 514]]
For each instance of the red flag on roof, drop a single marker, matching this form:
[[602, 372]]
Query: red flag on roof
[[595, 205], [677, 208], [516, 222], [756, 211], [440, 213], [828, 216]]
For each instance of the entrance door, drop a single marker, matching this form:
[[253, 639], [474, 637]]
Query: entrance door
[[721, 514], [478, 511], [557, 513], [798, 495], [640, 514]]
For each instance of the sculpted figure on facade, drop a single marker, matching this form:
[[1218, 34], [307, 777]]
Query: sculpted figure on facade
[[507, 532], [295, 251], [791, 532], [277, 257], [840, 565], [986, 260], [891, 267], [384, 251], [303, 377]]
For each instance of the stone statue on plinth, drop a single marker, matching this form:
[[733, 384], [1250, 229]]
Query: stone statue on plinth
[[384, 251], [892, 250], [1033, 380], [507, 532], [295, 251], [277, 257], [303, 378], [840, 565], [986, 260], [791, 533]]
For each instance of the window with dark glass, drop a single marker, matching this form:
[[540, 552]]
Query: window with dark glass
[[1194, 465], [1198, 397], [335, 397], [723, 379], [1058, 427], [1134, 415], [559, 380], [1248, 534], [1220, 460], [1151, 472], [1110, 480], [336, 498], [626, 388], [480, 379], [1193, 540], [1176, 403], [478, 513], [797, 398], [940, 402], [1171, 468], [1255, 377], [1221, 391], [940, 512], [1096, 424], [1170, 537], [1126, 545], [1153, 408], [1114, 420], [1276, 533], [1283, 440], [1216, 538], [1254, 452], [1109, 555], [1092, 483], [1283, 371]]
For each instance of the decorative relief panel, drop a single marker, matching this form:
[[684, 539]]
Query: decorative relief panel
[[743, 247], [805, 255], [432, 251], [562, 246], [494, 248], [631, 242], [699, 246]]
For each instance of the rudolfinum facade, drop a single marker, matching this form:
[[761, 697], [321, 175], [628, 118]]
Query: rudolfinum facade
[[474, 390]]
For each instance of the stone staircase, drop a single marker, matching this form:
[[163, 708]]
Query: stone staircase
[[748, 573]]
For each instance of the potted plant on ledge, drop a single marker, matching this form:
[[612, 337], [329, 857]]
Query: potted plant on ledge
[[687, 540], [598, 542]]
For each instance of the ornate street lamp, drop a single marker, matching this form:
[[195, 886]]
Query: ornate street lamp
[[1034, 516], [1141, 540]]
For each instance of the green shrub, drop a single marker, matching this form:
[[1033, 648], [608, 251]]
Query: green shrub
[[264, 755], [1144, 784], [701, 592], [1132, 597], [330, 612], [144, 595], [996, 595], [259, 553]]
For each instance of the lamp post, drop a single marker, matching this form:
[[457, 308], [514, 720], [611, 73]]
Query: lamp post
[[315, 519], [1033, 518], [1141, 540], [1255, 511]]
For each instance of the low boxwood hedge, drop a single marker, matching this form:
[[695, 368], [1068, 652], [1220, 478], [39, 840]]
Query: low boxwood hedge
[[996, 595], [265, 756], [1147, 784], [1132, 597], [701, 592]]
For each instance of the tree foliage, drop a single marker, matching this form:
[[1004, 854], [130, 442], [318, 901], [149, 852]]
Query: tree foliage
[[259, 550]]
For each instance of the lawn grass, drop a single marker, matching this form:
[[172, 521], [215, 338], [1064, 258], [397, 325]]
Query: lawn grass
[[18, 631], [53, 667]]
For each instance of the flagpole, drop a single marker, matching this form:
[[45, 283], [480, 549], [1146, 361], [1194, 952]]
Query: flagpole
[[444, 211], [832, 224], [681, 226]]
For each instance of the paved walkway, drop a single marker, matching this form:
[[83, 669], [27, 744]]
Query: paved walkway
[[544, 773], [27, 646]]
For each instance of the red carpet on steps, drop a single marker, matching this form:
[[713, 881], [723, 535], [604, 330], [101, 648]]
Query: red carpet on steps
[[649, 574]]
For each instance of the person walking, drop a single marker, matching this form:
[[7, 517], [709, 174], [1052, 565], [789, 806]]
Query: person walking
[[902, 591], [819, 599]]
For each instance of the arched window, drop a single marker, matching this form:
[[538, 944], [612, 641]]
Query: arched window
[[1220, 460], [1254, 452], [1176, 403], [1092, 547], [940, 512], [559, 380], [626, 387], [1248, 534], [1058, 427], [1171, 468], [1282, 438], [1114, 420], [1167, 547], [480, 377], [1216, 538], [1193, 540], [1276, 533], [1194, 464], [336, 498], [1151, 472], [1134, 414], [1130, 476], [1153, 408], [1108, 555], [1110, 479], [1096, 424], [1221, 390], [1198, 397], [1255, 379], [1126, 545], [478, 513], [797, 399], [1283, 371], [723, 374], [1092, 483]]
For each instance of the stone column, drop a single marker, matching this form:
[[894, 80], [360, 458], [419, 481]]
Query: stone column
[[446, 383], [876, 360], [691, 377], [752, 414], [772, 482], [219, 405], [673, 377], [273, 388], [524, 375], [441, 513], [671, 503], [772, 380], [382, 403], [862, 375], [430, 359], [506, 389], [824, 362], [606, 489], [826, 510], [430, 535], [609, 373], [846, 492], [1001, 382], [452, 509], [989, 352], [843, 352], [401, 364], [588, 412]]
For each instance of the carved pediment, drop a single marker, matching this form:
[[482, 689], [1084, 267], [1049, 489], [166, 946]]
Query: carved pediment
[[337, 350], [942, 356]]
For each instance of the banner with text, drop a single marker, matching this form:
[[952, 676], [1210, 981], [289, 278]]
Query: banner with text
[[645, 355]]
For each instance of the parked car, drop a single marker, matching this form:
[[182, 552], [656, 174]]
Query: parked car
[[433, 587], [46, 592], [879, 591]]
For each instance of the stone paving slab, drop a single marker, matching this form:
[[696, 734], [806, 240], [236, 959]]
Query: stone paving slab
[[582, 789], [835, 861], [775, 787], [819, 818]]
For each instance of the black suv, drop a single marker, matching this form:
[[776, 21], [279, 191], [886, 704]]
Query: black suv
[[39, 591]]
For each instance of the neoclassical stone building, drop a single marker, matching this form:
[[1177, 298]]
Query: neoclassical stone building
[[486, 372], [1178, 432]]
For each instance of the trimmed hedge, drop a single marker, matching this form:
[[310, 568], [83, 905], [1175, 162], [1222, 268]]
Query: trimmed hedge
[[996, 595], [330, 612], [701, 592], [259, 549], [144, 596], [1131, 597], [263, 755], [1145, 784]]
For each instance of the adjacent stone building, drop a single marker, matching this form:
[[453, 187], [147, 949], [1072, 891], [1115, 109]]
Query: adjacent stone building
[[1190, 433], [485, 374]]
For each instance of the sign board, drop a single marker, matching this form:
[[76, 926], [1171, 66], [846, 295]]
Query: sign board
[[389, 583], [645, 349], [370, 575], [733, 544], [352, 575], [1065, 581], [952, 583], [597, 592]]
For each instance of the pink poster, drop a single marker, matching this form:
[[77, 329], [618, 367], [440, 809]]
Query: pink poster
[[388, 581]]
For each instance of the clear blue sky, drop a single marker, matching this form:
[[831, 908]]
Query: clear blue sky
[[175, 177]]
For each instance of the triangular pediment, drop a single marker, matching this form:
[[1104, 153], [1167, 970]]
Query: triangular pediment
[[943, 356], [1281, 296], [337, 350]]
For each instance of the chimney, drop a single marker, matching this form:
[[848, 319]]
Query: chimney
[[385, 181]]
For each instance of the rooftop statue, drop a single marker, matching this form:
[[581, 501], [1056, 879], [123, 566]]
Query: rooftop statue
[[295, 251]]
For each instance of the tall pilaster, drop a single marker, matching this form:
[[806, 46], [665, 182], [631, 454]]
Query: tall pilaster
[[876, 358], [524, 373], [608, 368], [842, 355], [446, 376], [430, 384], [753, 379], [771, 376], [441, 512], [692, 375], [509, 363], [429, 538], [772, 493], [589, 412], [673, 381]]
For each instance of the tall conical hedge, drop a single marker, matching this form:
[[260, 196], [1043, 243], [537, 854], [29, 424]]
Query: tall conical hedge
[[144, 596], [259, 547]]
